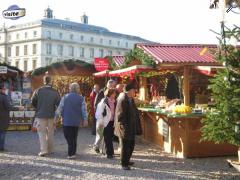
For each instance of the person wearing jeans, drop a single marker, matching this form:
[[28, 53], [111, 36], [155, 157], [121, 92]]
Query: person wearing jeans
[[45, 100], [73, 110], [4, 116]]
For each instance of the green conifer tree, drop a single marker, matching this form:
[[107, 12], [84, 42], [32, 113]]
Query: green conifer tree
[[223, 125]]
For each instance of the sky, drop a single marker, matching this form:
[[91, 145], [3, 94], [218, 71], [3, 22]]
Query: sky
[[163, 21]]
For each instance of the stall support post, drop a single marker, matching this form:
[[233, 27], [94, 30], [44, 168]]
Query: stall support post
[[186, 86], [143, 92]]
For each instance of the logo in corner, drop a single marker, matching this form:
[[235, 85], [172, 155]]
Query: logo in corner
[[14, 12]]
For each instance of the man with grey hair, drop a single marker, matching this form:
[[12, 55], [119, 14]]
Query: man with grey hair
[[45, 100], [73, 110]]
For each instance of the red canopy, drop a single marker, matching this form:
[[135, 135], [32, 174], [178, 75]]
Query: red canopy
[[129, 71]]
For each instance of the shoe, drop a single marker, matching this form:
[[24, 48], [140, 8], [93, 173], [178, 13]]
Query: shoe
[[41, 154], [110, 156], [71, 157], [131, 163], [126, 168], [96, 150]]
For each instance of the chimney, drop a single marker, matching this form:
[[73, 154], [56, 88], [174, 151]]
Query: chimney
[[84, 19]]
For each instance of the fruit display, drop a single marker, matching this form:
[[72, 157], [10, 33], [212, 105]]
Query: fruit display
[[182, 109]]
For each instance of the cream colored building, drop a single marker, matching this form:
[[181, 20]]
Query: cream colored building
[[42, 42]]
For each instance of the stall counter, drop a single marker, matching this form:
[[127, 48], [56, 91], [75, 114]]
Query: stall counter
[[180, 134]]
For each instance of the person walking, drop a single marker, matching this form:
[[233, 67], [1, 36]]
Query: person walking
[[92, 99], [45, 100], [111, 84], [73, 110], [126, 117], [4, 116], [105, 119]]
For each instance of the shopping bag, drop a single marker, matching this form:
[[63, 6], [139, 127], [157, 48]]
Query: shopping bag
[[34, 125]]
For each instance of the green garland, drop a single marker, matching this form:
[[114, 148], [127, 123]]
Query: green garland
[[139, 54], [113, 65], [70, 64]]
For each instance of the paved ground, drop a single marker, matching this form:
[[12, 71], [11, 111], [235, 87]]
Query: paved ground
[[21, 162]]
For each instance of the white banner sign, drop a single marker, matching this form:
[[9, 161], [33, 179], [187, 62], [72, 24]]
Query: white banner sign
[[3, 69]]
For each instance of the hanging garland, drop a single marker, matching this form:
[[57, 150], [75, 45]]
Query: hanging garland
[[70, 64], [113, 65], [139, 54]]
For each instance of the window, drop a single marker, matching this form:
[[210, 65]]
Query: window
[[110, 53], [110, 42], [82, 38], [34, 64], [81, 52], [49, 34], [71, 36], [25, 67], [34, 33], [101, 40], [17, 63], [119, 52], [101, 53], [49, 48], [91, 52], [92, 39], [70, 51], [118, 43], [48, 61], [34, 49], [17, 51], [17, 36], [60, 35], [26, 35], [9, 51], [25, 49], [126, 44], [9, 37], [60, 50]]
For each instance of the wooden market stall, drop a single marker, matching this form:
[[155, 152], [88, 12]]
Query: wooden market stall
[[17, 89], [179, 131], [181, 75], [64, 73]]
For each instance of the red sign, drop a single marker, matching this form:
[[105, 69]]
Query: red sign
[[101, 64]]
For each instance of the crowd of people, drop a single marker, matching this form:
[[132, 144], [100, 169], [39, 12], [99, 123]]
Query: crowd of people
[[115, 118]]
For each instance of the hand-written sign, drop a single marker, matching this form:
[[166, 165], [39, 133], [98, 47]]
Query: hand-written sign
[[101, 64]]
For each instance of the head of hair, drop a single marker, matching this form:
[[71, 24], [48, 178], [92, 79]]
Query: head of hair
[[74, 87], [129, 86], [109, 92], [111, 83], [47, 79]]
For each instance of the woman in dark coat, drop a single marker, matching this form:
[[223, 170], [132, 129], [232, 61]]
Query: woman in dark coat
[[4, 117]]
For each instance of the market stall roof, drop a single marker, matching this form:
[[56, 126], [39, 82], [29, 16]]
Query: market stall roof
[[130, 70], [10, 70], [208, 70], [187, 54], [101, 74], [119, 60], [66, 66]]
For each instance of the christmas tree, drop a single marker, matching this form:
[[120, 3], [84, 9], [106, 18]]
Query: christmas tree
[[223, 124]]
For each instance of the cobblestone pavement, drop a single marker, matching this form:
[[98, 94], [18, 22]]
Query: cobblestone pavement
[[21, 162]]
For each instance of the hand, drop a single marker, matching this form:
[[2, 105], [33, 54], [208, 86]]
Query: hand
[[85, 123]]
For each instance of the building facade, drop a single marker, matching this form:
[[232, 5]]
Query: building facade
[[40, 43]]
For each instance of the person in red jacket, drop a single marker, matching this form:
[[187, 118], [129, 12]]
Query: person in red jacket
[[92, 99]]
